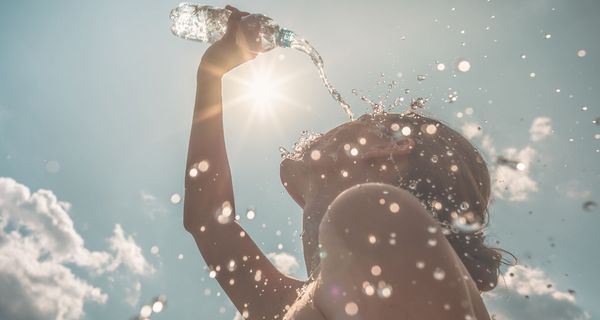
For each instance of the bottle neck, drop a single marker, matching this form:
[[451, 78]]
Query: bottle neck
[[284, 38]]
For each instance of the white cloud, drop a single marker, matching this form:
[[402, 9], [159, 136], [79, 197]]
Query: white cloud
[[133, 294], [38, 247], [511, 183], [284, 262], [471, 130], [541, 127], [151, 205], [526, 293], [127, 253], [573, 189]]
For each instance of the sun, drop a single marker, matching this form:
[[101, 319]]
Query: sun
[[263, 91]]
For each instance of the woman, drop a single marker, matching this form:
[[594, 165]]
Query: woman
[[393, 206]]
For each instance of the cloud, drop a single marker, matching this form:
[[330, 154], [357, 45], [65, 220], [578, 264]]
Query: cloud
[[471, 130], [515, 184], [511, 177], [540, 128], [38, 247], [573, 189], [284, 262], [133, 294], [151, 205], [527, 293], [127, 253]]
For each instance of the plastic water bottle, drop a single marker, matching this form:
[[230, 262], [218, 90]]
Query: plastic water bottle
[[208, 24]]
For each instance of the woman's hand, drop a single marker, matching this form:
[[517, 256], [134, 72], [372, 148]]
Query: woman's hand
[[229, 52]]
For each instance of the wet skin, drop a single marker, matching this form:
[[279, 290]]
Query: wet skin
[[340, 213]]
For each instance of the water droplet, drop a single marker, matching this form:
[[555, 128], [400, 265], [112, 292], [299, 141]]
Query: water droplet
[[421, 77], [439, 274], [232, 265], [344, 173], [547, 36], [431, 129], [368, 289], [212, 274], [384, 290], [382, 201], [432, 229], [250, 214], [203, 166], [157, 306], [581, 53], [432, 242], [258, 275], [154, 250], [145, 311], [453, 168], [226, 209], [406, 131], [523, 56], [180, 257], [362, 141], [463, 66], [434, 159], [532, 75], [589, 205], [372, 239], [193, 172], [354, 152], [315, 155], [464, 205], [437, 205], [351, 308], [376, 270], [394, 207], [420, 265], [175, 198], [441, 67], [418, 103]]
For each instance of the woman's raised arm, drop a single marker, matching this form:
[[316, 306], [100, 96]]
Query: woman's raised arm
[[252, 283]]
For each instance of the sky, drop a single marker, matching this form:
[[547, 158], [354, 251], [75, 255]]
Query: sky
[[96, 101]]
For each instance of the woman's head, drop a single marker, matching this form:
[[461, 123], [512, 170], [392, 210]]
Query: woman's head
[[427, 158]]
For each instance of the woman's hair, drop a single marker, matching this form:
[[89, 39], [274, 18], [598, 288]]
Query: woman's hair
[[449, 176]]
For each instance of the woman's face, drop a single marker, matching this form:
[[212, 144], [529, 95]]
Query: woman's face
[[351, 153]]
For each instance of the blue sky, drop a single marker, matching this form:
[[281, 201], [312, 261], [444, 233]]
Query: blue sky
[[95, 107]]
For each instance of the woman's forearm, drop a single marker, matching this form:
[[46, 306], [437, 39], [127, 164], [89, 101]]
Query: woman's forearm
[[208, 178]]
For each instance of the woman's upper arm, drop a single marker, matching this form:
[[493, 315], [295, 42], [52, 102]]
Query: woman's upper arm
[[246, 275], [387, 258]]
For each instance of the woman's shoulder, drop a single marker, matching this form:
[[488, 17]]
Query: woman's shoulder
[[383, 256]]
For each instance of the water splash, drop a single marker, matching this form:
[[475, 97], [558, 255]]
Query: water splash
[[306, 140], [304, 46]]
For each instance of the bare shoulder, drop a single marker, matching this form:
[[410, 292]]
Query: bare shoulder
[[385, 257]]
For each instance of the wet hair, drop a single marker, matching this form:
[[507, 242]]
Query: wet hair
[[450, 178]]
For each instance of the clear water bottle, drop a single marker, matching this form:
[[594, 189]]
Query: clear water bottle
[[208, 24]]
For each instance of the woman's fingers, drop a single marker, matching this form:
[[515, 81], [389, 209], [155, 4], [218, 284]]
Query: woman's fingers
[[233, 22]]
